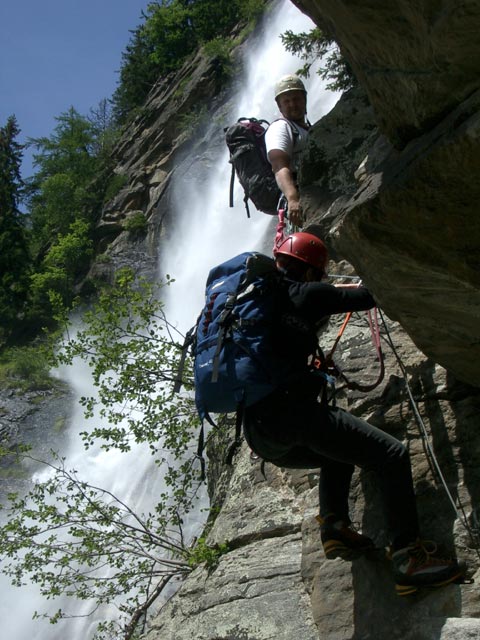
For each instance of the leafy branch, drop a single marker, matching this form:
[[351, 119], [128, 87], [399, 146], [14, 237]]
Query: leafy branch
[[317, 45], [75, 539]]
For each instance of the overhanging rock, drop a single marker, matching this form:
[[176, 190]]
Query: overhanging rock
[[416, 60], [412, 230]]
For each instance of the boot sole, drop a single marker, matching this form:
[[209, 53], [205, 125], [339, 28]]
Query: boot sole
[[409, 589], [336, 549]]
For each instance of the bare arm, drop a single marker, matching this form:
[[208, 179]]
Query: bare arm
[[280, 162]]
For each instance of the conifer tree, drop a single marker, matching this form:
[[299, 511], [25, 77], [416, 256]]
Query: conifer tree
[[66, 164], [14, 257]]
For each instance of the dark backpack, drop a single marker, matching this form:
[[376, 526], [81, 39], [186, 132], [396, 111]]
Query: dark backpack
[[238, 353], [246, 142]]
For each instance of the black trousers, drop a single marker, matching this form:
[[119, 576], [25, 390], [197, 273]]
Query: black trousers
[[298, 432]]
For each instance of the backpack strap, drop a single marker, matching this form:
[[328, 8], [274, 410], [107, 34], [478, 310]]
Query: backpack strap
[[245, 199], [292, 125], [233, 447], [201, 444], [238, 433], [232, 182], [189, 340], [200, 448], [222, 321]]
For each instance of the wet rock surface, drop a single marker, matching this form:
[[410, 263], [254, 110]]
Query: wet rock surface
[[37, 419]]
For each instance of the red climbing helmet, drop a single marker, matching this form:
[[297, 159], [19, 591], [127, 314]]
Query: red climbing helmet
[[305, 247]]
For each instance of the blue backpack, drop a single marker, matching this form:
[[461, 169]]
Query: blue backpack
[[237, 352], [240, 341], [237, 347]]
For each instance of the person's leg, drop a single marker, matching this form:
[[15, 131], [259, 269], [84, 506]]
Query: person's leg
[[290, 430], [334, 489], [347, 440], [283, 422]]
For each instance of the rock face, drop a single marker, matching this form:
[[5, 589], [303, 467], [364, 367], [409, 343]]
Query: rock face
[[410, 226], [413, 225], [417, 60], [155, 145], [34, 418]]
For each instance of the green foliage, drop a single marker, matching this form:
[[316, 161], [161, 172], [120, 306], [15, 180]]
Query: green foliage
[[220, 50], [53, 282], [133, 356], [15, 260], [136, 223], [314, 45], [192, 120], [202, 553], [105, 133], [172, 30], [27, 368], [71, 148], [65, 197], [60, 192], [10, 160], [114, 186], [73, 538], [44, 252]]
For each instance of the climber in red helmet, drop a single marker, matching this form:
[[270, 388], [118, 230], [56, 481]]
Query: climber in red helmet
[[291, 428]]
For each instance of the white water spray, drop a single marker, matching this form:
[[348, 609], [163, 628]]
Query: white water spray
[[206, 232]]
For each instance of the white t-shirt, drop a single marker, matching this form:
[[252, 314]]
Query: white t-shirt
[[288, 137]]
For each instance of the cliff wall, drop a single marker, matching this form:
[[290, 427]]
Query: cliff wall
[[411, 225]]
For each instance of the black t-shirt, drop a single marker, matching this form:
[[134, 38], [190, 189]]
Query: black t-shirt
[[310, 303], [316, 300]]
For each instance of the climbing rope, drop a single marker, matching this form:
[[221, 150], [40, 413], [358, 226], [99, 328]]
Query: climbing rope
[[373, 322], [280, 231], [459, 510], [284, 226], [372, 317], [339, 335]]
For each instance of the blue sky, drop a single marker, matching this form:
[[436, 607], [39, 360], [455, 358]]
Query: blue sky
[[55, 54]]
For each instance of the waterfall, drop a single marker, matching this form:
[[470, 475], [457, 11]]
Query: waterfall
[[206, 232]]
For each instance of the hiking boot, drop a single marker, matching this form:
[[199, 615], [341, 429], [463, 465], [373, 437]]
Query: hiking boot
[[417, 566], [340, 540]]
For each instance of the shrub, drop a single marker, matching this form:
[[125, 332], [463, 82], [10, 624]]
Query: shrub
[[136, 223]]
